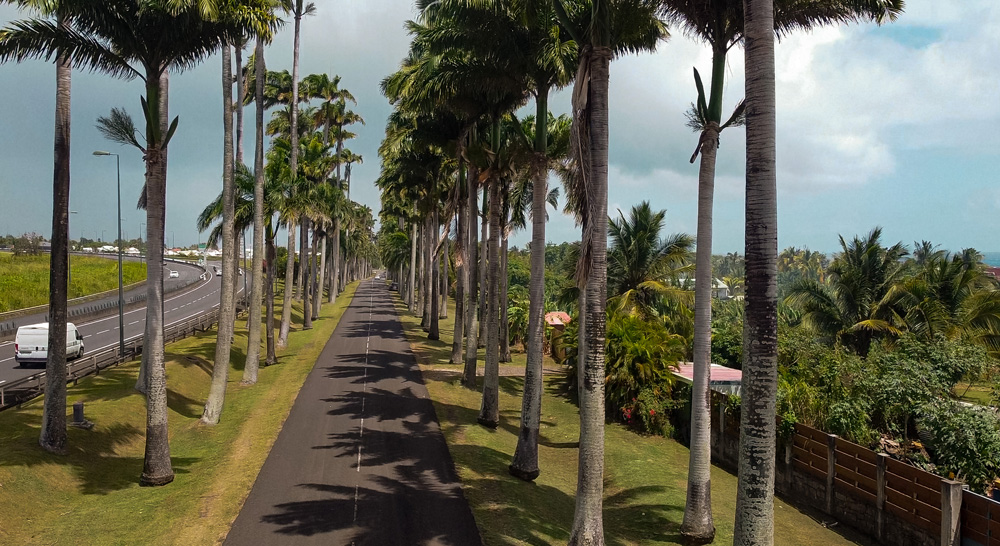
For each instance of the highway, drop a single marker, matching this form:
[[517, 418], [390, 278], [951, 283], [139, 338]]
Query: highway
[[102, 333]]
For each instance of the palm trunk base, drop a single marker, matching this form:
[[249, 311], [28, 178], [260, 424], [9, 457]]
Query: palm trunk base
[[698, 527], [525, 464], [488, 422], [156, 466]]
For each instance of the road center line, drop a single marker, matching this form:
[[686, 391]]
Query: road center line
[[364, 388]]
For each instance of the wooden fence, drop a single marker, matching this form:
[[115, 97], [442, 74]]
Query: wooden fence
[[980, 521], [930, 506]]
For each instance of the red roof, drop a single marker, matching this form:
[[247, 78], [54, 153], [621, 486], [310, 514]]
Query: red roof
[[717, 373]]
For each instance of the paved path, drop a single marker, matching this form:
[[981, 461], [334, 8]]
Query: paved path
[[361, 459]]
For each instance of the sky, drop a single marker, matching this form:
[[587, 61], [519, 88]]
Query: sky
[[892, 126]]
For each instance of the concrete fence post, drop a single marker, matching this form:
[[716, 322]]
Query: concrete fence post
[[831, 469], [880, 463], [951, 509]]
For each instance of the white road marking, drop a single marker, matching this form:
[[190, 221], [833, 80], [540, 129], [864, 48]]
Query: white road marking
[[364, 389]]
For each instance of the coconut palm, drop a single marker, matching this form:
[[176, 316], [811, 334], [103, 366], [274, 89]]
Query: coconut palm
[[602, 29], [103, 39], [857, 307], [641, 265]]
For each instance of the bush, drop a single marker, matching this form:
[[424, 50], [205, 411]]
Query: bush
[[650, 411], [639, 358], [639, 354], [964, 440]]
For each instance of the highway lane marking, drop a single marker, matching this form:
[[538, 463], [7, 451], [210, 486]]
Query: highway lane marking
[[364, 389]]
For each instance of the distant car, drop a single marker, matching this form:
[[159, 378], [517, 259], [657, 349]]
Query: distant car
[[31, 343], [174, 274], [218, 271]]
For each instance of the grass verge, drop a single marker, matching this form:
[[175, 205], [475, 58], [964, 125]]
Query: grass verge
[[91, 495], [24, 280], [645, 476]]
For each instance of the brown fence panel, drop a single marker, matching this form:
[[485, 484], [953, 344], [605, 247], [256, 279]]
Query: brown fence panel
[[980, 519], [909, 497], [856, 470]]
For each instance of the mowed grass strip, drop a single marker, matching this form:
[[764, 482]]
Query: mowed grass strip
[[645, 480], [24, 280], [91, 495]]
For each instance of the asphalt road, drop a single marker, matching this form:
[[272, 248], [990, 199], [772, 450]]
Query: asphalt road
[[361, 458], [103, 333]]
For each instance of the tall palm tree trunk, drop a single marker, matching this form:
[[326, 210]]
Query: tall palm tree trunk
[[588, 526], [461, 259], [434, 329], [240, 93], [481, 337], [489, 412], [156, 468], [321, 273], [411, 295], [525, 463], [428, 275], [472, 278], [314, 267], [755, 490], [335, 260], [504, 317], [305, 266], [304, 269], [421, 288], [698, 527], [287, 295], [272, 357], [257, 260], [445, 256], [53, 435], [227, 296]]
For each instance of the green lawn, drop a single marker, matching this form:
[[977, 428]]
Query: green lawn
[[645, 476], [91, 495], [24, 280], [976, 393]]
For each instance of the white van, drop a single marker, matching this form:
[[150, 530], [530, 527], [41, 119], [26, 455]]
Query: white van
[[31, 344]]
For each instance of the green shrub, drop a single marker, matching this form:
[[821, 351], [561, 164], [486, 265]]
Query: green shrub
[[964, 440]]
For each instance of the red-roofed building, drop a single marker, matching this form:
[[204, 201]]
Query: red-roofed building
[[722, 379]]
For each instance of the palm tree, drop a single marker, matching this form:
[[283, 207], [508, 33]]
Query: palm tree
[[601, 29], [641, 265], [227, 300], [755, 489], [951, 296], [103, 39], [720, 23], [858, 305], [53, 432]]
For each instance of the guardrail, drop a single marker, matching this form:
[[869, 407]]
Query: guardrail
[[24, 389]]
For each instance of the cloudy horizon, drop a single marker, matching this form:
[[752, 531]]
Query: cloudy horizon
[[891, 126]]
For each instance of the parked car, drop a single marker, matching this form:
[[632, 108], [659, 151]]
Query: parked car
[[31, 343], [174, 274]]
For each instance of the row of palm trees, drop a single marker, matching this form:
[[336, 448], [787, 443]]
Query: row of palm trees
[[178, 35], [471, 64]]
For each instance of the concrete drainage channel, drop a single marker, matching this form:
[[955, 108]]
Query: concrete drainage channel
[[17, 392]]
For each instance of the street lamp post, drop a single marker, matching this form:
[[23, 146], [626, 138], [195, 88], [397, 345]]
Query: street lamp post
[[69, 266], [121, 284]]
